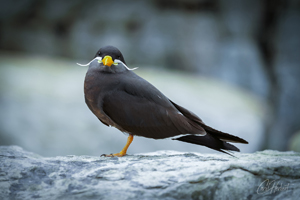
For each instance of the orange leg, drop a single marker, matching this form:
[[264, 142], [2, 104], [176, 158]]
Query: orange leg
[[124, 150]]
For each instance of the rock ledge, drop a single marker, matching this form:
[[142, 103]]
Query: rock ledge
[[164, 174]]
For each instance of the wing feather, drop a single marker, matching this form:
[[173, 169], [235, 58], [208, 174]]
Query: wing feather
[[140, 109]]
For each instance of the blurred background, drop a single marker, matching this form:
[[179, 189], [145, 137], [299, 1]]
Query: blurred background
[[233, 63]]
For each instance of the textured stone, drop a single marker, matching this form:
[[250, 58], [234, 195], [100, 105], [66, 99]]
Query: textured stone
[[164, 174]]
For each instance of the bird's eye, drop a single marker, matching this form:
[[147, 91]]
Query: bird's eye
[[99, 53]]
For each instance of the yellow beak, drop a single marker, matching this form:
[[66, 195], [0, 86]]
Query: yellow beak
[[107, 60]]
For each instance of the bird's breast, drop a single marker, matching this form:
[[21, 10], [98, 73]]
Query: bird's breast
[[96, 86]]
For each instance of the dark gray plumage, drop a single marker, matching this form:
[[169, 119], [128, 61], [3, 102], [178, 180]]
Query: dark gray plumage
[[120, 98]]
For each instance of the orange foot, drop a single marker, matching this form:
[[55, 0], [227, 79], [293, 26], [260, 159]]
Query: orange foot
[[113, 155], [124, 150]]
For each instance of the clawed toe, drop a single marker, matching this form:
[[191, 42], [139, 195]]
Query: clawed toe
[[113, 155], [107, 155]]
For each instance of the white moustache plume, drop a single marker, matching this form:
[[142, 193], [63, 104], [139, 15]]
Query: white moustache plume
[[100, 60]]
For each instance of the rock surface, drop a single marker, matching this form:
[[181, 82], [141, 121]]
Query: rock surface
[[164, 175]]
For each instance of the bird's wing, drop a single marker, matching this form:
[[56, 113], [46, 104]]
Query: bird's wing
[[140, 109]]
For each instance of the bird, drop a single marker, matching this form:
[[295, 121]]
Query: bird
[[120, 98]]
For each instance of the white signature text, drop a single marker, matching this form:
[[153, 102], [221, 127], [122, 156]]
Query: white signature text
[[271, 186]]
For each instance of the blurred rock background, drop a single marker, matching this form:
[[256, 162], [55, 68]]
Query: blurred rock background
[[234, 63]]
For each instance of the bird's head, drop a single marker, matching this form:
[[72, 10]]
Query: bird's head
[[109, 57]]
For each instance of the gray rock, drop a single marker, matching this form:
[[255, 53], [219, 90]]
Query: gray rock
[[287, 69], [295, 142], [164, 174]]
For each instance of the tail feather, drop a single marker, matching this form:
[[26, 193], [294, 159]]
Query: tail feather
[[219, 134], [209, 141], [223, 136], [214, 139]]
